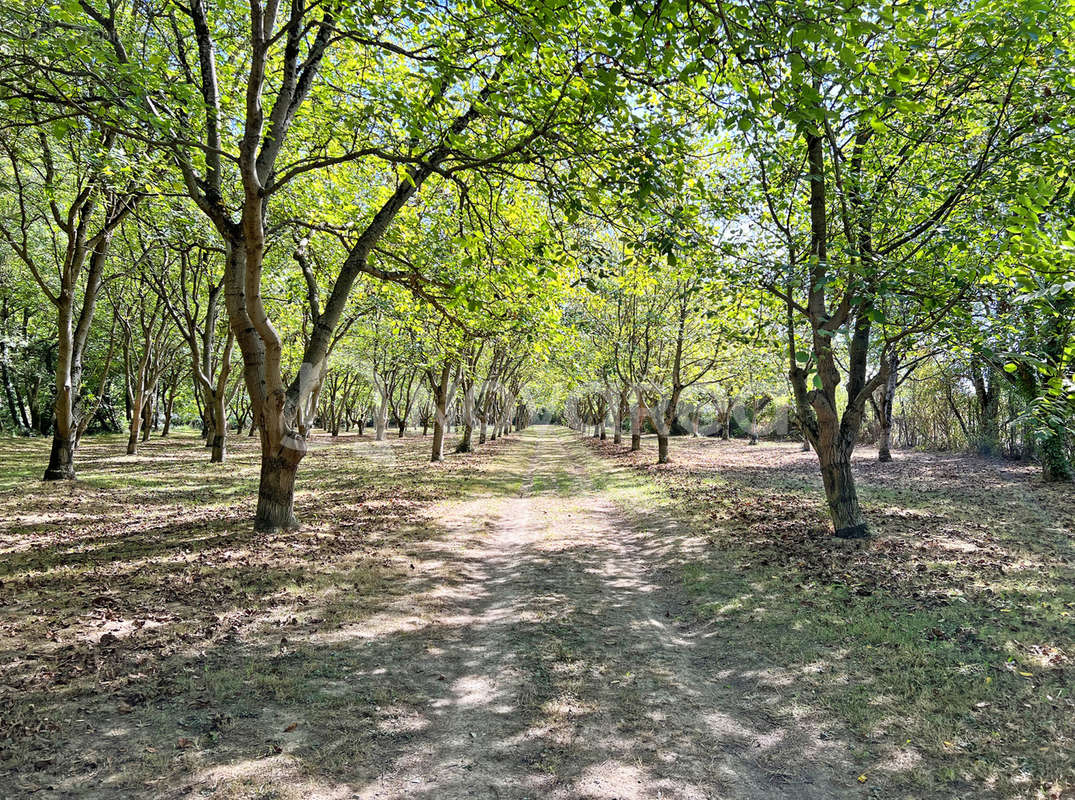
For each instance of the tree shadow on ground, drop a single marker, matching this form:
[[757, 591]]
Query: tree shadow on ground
[[505, 647], [945, 641]]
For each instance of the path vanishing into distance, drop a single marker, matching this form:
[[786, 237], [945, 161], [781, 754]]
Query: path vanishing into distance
[[559, 661], [510, 624]]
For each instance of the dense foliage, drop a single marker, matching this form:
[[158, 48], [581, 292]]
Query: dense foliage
[[838, 222]]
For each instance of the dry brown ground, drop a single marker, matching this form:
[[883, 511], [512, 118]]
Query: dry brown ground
[[538, 619]]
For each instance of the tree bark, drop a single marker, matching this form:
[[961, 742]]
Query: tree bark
[[621, 410], [276, 491], [220, 430], [61, 458], [840, 493], [662, 448], [464, 445], [888, 398], [380, 420], [439, 385], [636, 425]]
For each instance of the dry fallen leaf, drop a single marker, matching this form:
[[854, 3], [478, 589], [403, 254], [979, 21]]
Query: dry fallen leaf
[[291, 727]]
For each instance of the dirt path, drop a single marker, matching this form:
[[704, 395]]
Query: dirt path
[[556, 668]]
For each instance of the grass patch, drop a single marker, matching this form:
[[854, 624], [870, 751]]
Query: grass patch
[[944, 646]]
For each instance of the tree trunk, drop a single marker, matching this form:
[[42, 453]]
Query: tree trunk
[[438, 441], [8, 390], [61, 458], [636, 427], [149, 417], [888, 398], [440, 399], [662, 448], [168, 404], [621, 410], [220, 430], [136, 423], [464, 443], [380, 420], [276, 492], [840, 493]]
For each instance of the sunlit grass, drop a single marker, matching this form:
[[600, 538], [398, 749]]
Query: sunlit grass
[[945, 645]]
